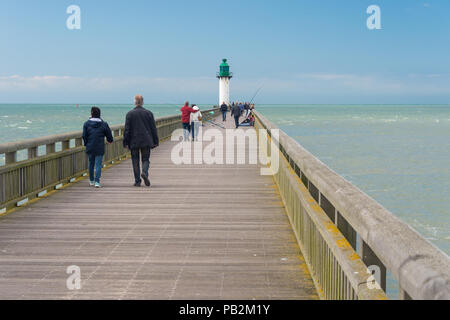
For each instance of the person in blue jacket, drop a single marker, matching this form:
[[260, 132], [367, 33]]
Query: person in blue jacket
[[94, 132]]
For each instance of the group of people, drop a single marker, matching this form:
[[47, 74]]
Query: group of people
[[140, 136], [237, 110], [191, 118]]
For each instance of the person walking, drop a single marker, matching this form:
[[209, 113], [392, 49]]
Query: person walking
[[140, 136], [185, 119], [247, 109], [236, 113], [224, 109], [241, 107], [94, 132], [196, 121]]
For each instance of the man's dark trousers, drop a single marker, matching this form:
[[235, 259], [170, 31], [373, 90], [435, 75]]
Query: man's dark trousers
[[224, 115], [145, 157], [236, 121]]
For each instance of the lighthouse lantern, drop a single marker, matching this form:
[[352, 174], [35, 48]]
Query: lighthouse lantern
[[224, 69]]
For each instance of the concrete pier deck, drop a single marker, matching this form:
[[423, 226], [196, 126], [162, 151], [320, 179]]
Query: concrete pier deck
[[200, 232]]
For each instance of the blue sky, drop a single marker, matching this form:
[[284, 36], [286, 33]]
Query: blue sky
[[303, 51]]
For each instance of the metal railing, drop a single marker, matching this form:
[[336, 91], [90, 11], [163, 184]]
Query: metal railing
[[329, 214], [21, 181]]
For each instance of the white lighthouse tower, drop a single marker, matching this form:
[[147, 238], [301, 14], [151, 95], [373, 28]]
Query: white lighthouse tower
[[224, 76]]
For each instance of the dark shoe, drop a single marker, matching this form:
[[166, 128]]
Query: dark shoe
[[136, 184], [146, 180]]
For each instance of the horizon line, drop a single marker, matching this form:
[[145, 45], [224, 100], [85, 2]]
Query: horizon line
[[213, 104]]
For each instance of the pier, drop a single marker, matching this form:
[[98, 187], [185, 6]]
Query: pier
[[201, 231]]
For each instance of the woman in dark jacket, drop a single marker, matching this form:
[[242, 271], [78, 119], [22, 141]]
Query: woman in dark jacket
[[94, 132]]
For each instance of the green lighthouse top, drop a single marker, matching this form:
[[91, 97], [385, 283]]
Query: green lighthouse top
[[224, 69]]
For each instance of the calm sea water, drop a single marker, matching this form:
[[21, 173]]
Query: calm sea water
[[34, 120], [398, 154], [25, 121]]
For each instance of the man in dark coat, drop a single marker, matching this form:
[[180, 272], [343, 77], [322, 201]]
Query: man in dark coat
[[94, 132], [236, 112], [140, 136]]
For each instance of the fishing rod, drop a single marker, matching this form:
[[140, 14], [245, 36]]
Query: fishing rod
[[216, 124], [256, 93]]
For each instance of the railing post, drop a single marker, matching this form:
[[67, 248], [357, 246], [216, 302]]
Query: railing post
[[65, 144], [370, 259], [78, 142], [32, 152], [11, 157], [50, 148]]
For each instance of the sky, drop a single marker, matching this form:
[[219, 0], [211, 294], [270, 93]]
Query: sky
[[298, 51]]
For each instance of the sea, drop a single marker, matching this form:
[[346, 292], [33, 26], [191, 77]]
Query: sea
[[397, 154]]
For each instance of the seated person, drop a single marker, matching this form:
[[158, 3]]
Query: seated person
[[249, 121], [251, 117]]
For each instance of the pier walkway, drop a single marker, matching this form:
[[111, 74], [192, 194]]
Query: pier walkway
[[200, 232]]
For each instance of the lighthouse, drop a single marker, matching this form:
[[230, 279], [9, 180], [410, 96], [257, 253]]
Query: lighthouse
[[224, 76]]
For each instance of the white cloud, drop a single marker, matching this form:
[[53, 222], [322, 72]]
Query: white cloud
[[310, 86], [327, 76], [20, 83], [377, 84]]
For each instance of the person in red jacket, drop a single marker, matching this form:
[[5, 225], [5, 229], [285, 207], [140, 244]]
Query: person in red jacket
[[185, 119]]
